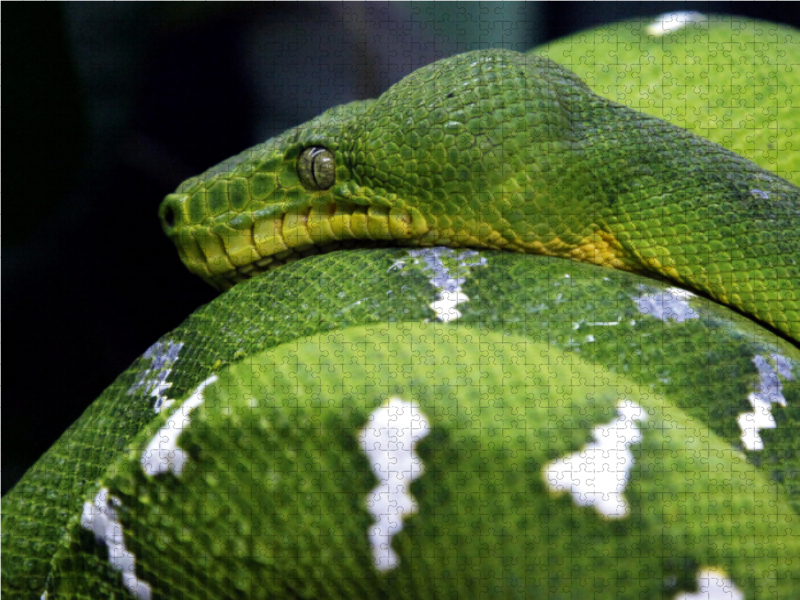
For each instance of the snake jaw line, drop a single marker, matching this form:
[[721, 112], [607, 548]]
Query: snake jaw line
[[226, 259]]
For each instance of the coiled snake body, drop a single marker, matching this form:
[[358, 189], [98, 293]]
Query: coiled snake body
[[426, 402]]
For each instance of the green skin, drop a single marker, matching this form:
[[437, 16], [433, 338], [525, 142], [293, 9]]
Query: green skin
[[674, 76], [305, 355], [498, 150]]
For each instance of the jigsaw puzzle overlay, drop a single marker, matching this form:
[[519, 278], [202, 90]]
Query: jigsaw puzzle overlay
[[452, 422]]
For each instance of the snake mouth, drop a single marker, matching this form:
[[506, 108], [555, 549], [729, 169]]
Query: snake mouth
[[237, 249]]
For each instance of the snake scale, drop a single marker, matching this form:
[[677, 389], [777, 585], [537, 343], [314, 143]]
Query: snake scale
[[407, 392]]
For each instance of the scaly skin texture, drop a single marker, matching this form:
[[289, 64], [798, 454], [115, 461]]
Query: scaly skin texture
[[273, 500], [716, 75], [498, 150], [554, 341]]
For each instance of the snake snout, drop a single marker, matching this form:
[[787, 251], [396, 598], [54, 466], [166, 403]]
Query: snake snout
[[170, 212]]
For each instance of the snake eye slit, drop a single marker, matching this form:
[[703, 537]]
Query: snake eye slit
[[316, 168]]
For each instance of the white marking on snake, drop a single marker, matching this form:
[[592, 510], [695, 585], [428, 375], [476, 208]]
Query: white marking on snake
[[671, 304], [448, 269], [713, 585], [578, 324], [162, 453], [597, 475], [100, 517], [163, 355], [388, 440], [673, 21], [768, 391]]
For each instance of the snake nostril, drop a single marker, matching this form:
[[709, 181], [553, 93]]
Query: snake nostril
[[170, 212], [169, 217]]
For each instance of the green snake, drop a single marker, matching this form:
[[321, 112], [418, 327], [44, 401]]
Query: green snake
[[406, 392]]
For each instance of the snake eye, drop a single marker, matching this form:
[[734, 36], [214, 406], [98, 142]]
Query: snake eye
[[316, 168]]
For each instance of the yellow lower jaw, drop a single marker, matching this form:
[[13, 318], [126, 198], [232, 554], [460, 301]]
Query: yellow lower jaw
[[241, 248], [274, 241], [295, 230], [217, 261], [400, 224], [244, 253], [339, 222], [319, 225], [267, 237]]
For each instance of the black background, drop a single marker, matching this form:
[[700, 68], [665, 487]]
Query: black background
[[109, 106]]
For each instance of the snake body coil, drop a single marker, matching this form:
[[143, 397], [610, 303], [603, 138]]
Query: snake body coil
[[426, 403]]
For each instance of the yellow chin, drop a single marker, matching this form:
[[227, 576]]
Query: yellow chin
[[224, 256]]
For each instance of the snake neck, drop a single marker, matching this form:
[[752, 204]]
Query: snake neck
[[685, 209]]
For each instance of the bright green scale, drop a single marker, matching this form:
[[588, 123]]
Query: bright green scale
[[495, 369]]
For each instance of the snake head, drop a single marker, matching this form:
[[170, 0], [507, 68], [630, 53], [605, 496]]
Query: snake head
[[444, 157], [271, 204]]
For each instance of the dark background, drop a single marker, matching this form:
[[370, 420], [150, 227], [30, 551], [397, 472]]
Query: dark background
[[109, 106]]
